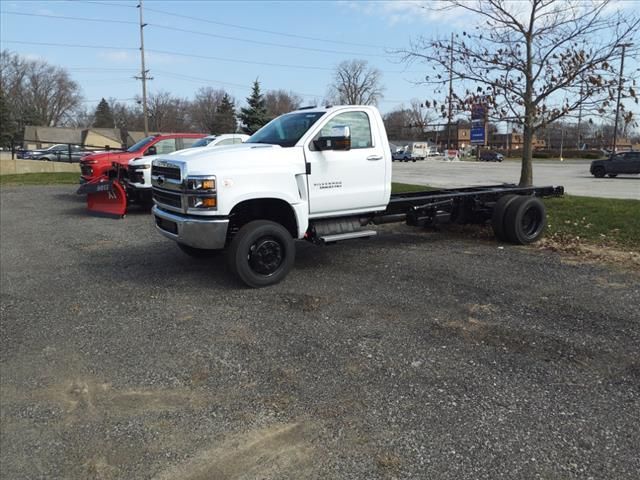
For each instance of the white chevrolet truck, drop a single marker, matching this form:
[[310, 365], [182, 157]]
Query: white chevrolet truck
[[318, 174]]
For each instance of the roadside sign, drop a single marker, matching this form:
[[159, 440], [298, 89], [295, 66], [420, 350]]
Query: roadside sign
[[478, 136]]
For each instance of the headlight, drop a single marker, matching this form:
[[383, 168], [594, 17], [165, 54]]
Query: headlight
[[203, 202], [141, 167], [203, 183], [201, 193]]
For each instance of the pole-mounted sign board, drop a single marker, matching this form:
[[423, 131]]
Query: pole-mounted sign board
[[478, 124]]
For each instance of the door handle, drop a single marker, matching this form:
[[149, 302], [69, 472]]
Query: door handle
[[373, 158]]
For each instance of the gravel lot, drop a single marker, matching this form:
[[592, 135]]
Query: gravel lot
[[572, 174], [413, 355]]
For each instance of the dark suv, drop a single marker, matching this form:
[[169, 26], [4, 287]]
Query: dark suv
[[619, 163], [491, 156]]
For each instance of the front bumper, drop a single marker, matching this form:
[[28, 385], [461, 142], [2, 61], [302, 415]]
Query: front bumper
[[210, 234]]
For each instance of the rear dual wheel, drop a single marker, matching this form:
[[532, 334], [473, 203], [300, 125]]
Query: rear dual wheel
[[519, 219]]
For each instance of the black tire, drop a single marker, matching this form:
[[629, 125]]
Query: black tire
[[598, 172], [613, 175], [261, 253], [498, 215], [197, 252], [525, 220]]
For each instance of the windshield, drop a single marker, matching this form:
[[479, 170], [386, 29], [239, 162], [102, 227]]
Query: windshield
[[137, 146], [286, 130], [203, 142]]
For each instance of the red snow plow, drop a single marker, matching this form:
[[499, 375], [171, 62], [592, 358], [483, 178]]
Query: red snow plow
[[105, 196]]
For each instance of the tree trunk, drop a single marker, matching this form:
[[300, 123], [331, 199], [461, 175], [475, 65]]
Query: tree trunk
[[526, 172]]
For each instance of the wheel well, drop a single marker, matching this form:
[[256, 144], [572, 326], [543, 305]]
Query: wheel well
[[272, 209]]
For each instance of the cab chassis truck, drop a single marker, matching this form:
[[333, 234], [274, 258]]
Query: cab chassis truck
[[318, 174]]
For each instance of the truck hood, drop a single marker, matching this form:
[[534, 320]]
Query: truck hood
[[228, 160], [109, 156]]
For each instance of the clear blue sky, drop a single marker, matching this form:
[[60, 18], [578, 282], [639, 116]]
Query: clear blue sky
[[334, 31]]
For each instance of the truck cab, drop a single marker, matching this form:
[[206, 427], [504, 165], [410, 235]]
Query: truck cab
[[316, 167]]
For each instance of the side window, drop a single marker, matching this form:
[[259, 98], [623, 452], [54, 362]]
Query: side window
[[237, 140], [188, 142], [226, 141], [165, 146], [358, 122]]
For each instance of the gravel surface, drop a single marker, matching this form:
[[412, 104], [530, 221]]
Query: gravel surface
[[413, 355]]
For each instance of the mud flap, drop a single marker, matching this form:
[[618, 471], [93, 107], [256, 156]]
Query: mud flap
[[105, 197]]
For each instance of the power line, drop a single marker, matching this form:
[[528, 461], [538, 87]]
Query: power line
[[251, 29], [115, 99], [245, 87], [192, 55], [270, 32], [270, 44], [64, 17], [111, 4], [195, 32], [70, 45]]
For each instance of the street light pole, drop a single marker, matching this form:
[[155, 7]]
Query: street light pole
[[620, 82]]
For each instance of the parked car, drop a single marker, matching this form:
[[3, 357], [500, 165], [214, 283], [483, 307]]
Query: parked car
[[138, 174], [57, 153], [97, 164], [488, 156], [619, 163], [221, 140], [401, 156]]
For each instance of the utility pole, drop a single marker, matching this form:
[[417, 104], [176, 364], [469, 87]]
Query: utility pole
[[620, 81], [143, 75], [450, 95]]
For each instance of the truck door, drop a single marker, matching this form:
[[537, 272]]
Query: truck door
[[346, 180]]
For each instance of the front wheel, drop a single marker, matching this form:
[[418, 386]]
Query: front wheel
[[598, 172], [261, 253]]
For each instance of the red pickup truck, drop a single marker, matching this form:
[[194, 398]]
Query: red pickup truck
[[97, 164]]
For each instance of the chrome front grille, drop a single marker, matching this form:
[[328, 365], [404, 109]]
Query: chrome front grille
[[167, 172], [171, 199]]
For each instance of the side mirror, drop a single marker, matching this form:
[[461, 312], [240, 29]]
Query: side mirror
[[151, 150], [340, 139]]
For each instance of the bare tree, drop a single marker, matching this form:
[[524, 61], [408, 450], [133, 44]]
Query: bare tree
[[397, 124], [278, 102], [356, 83], [204, 108], [35, 92], [533, 62], [420, 116], [127, 117], [167, 113]]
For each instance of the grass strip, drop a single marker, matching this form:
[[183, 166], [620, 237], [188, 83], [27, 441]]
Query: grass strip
[[408, 188], [600, 221], [56, 178]]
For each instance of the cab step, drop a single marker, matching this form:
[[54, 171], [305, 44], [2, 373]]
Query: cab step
[[348, 236]]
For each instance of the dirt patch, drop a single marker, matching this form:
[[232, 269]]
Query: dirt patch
[[82, 399], [578, 252], [277, 451]]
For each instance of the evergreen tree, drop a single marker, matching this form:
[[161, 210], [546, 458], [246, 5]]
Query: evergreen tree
[[255, 115], [226, 116], [103, 115]]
